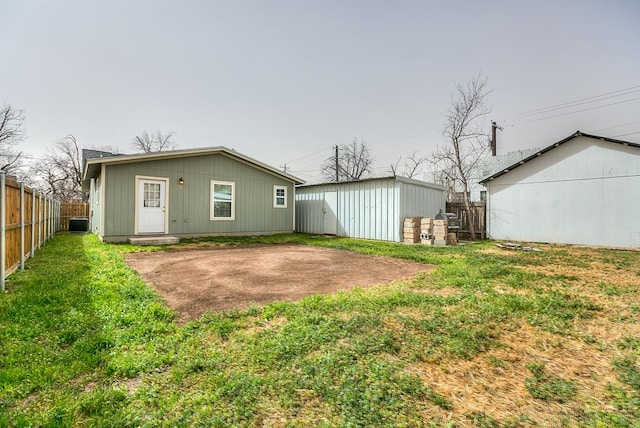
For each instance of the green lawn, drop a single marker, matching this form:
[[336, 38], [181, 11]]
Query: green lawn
[[489, 338]]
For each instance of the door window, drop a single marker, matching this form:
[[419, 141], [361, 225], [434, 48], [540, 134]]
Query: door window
[[152, 195]]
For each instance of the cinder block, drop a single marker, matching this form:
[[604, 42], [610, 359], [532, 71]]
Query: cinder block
[[439, 222], [426, 241], [452, 239], [412, 220], [411, 230], [440, 242]]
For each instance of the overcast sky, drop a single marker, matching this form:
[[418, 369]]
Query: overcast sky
[[284, 81]]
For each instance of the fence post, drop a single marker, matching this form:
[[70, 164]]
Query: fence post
[[33, 222], [46, 220], [39, 220], [47, 205], [21, 226], [3, 219]]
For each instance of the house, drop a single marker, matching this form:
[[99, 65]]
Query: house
[[584, 189], [373, 208], [187, 193]]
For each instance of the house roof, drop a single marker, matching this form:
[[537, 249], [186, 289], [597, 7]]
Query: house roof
[[553, 146], [92, 166]]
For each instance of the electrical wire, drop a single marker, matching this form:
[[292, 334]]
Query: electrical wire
[[574, 103], [576, 111], [578, 104], [307, 156], [616, 126], [630, 133]]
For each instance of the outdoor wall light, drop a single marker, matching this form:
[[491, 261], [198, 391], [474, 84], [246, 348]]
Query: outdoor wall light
[[180, 181]]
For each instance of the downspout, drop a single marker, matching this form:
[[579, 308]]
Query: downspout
[[92, 202], [102, 197], [294, 206]]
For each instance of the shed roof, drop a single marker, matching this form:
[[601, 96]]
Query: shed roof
[[391, 177], [553, 146], [92, 166]]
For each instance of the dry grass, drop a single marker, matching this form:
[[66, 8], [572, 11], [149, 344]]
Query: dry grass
[[492, 384]]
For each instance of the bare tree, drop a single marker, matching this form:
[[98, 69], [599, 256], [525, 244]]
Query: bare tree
[[60, 172], [412, 167], [394, 168], [350, 162], [465, 140], [11, 134], [154, 141]]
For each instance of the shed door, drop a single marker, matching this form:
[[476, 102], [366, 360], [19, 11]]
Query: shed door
[[330, 213], [151, 206]]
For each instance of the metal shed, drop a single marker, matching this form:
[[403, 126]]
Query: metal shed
[[370, 209]]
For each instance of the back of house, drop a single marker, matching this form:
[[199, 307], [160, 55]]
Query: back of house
[[187, 193]]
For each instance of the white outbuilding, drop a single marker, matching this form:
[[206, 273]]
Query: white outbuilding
[[584, 189], [369, 209]]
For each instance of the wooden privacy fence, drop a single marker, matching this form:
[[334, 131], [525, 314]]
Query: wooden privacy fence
[[69, 210], [27, 220], [478, 214]]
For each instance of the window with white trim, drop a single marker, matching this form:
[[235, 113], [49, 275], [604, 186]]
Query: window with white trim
[[223, 200], [279, 196]]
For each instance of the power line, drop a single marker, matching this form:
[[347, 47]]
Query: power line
[[630, 133], [577, 111], [577, 104], [307, 156], [616, 126], [580, 101]]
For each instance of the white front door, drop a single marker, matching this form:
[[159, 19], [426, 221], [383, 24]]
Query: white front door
[[330, 213], [151, 206]]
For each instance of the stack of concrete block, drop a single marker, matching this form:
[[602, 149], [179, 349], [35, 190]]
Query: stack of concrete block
[[440, 232], [426, 231], [411, 230]]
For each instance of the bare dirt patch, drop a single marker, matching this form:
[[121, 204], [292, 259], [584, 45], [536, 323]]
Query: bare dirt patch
[[197, 281]]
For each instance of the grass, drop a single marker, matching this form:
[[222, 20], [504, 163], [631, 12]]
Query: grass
[[488, 339]]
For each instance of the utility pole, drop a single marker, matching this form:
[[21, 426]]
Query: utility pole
[[284, 167], [337, 164], [493, 138]]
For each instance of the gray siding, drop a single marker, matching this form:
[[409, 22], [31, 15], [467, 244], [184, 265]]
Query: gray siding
[[189, 204], [368, 209], [585, 191]]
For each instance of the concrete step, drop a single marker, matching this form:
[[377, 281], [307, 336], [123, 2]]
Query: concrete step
[[153, 240]]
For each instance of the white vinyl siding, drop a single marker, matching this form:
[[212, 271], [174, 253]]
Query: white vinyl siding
[[223, 204]]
